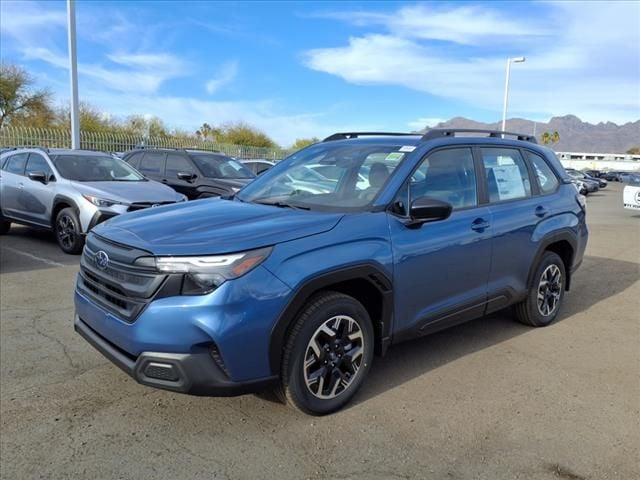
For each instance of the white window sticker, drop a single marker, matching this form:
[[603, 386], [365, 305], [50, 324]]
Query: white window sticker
[[407, 148]]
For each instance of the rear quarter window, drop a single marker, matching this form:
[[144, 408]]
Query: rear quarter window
[[547, 180]]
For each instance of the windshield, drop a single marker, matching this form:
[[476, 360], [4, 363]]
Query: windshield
[[218, 166], [327, 176], [95, 168]]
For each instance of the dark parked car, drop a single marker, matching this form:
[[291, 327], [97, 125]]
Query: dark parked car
[[258, 166], [601, 182], [593, 173], [613, 175], [590, 186], [194, 173], [297, 290]]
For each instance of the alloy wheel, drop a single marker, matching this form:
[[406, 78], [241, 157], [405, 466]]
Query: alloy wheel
[[549, 290], [66, 231], [333, 357]]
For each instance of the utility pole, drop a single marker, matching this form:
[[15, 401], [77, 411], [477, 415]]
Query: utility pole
[[73, 74]]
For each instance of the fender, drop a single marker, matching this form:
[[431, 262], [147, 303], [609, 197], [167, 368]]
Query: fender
[[58, 199], [368, 272], [566, 234]]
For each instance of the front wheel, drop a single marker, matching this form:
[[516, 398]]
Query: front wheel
[[68, 232], [328, 354], [546, 292]]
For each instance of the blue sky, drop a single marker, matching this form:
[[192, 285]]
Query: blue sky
[[299, 69]]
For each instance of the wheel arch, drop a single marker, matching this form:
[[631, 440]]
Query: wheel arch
[[564, 244], [367, 283], [60, 202]]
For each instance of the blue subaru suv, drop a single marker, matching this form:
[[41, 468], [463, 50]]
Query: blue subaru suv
[[286, 288]]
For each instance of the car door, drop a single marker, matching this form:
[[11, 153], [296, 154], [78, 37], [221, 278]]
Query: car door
[[516, 209], [179, 163], [152, 165], [35, 200], [442, 267], [12, 178]]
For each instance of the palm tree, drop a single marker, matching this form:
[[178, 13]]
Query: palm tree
[[555, 137], [546, 137]]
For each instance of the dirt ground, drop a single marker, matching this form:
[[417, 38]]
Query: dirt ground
[[490, 399]]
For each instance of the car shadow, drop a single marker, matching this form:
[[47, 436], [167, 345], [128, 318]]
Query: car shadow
[[598, 279], [24, 249]]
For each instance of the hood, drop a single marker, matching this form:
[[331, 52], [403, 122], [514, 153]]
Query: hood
[[129, 192], [213, 226]]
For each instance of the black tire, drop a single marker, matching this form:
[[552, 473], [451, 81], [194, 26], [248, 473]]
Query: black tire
[[5, 225], [68, 233], [318, 312], [537, 311]]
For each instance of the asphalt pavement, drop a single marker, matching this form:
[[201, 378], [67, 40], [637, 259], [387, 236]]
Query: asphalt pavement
[[491, 399]]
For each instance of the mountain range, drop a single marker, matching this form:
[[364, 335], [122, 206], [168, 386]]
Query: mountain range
[[575, 135]]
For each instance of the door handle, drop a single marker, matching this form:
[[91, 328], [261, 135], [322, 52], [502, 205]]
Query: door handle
[[479, 225], [541, 211], [164, 180]]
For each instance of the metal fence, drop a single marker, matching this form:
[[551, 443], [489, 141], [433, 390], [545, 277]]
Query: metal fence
[[121, 142]]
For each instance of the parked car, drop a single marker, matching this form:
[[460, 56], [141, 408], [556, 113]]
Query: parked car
[[297, 291], [628, 177], [593, 173], [613, 175], [71, 191], [601, 182], [194, 173], [590, 186], [258, 166]]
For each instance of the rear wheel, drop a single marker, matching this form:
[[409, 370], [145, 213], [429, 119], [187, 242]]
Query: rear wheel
[[328, 354], [546, 292], [68, 233], [5, 225]]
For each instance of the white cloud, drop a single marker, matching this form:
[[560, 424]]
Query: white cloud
[[225, 75], [588, 66], [467, 24]]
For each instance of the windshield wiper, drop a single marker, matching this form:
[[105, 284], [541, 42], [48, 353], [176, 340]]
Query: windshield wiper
[[282, 205]]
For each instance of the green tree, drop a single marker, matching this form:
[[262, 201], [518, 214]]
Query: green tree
[[243, 134], [300, 143], [145, 126], [550, 137], [19, 102], [634, 151]]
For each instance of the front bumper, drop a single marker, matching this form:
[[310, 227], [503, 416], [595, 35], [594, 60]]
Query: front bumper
[[195, 373]]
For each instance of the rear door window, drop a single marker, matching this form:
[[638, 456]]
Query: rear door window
[[547, 180], [153, 163], [16, 163], [507, 174]]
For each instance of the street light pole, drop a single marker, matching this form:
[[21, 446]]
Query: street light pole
[[506, 89], [73, 74]]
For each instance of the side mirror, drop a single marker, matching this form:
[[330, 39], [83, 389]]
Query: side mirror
[[39, 177], [186, 176], [427, 209]]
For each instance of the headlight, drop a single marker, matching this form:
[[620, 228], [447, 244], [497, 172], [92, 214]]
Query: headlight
[[205, 274], [101, 202]]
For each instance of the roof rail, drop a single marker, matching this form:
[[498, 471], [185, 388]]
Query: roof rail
[[347, 135], [451, 132], [17, 147]]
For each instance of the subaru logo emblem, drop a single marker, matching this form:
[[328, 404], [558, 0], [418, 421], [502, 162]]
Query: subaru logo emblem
[[102, 260]]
